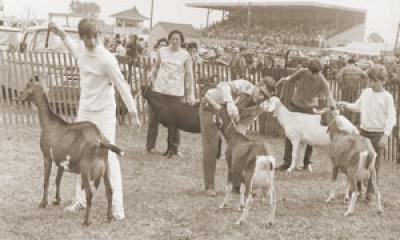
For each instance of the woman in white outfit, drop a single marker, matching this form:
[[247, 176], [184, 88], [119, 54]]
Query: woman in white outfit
[[99, 73]]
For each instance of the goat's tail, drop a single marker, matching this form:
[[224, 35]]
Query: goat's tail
[[105, 144]]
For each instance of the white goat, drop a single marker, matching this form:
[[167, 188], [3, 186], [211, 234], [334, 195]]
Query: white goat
[[300, 128]]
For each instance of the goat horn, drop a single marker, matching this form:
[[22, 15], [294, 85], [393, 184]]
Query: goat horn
[[215, 105]]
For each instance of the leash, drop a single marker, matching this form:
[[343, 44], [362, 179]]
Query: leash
[[330, 123]]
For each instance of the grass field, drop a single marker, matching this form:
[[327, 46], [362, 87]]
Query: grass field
[[164, 198]]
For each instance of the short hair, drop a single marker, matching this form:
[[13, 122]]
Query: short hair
[[159, 41], [352, 60], [314, 65], [377, 72], [176, 31], [269, 82], [90, 27], [192, 45]]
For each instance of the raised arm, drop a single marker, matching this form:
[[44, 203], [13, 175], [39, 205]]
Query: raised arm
[[327, 92], [68, 42]]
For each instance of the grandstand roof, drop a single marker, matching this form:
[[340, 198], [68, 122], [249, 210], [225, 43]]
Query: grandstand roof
[[228, 5]]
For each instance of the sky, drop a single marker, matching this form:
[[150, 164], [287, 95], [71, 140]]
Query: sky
[[382, 15]]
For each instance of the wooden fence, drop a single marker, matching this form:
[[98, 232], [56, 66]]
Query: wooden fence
[[59, 73]]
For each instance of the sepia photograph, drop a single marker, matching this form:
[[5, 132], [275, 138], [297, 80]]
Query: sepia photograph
[[199, 119]]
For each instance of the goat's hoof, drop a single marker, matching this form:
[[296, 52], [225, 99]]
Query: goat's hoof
[[87, 223], [56, 202], [289, 170], [42, 205], [239, 222], [309, 168], [348, 213], [222, 206], [166, 153], [110, 218], [269, 223], [329, 199], [380, 211]]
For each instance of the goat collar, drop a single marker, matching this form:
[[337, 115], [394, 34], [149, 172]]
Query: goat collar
[[330, 124]]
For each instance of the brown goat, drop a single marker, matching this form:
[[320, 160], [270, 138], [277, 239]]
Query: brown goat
[[77, 147], [249, 164], [353, 155]]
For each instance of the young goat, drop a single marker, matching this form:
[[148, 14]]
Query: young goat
[[249, 165], [353, 155], [74, 147]]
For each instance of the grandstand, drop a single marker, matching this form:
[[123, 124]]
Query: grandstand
[[303, 23]]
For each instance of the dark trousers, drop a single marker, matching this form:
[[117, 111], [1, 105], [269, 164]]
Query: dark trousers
[[152, 133], [375, 137], [210, 141], [287, 157]]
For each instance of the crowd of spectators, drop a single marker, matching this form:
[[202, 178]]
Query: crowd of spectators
[[305, 32], [230, 53]]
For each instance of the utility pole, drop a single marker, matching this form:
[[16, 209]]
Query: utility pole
[[208, 16], [396, 44], [151, 14], [248, 23]]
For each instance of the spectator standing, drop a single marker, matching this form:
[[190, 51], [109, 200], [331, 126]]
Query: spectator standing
[[351, 79], [140, 46], [310, 84], [162, 42], [193, 51], [378, 114], [171, 72], [237, 64], [120, 50], [99, 73], [131, 52]]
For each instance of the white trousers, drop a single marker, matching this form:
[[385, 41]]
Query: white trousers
[[106, 122]]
